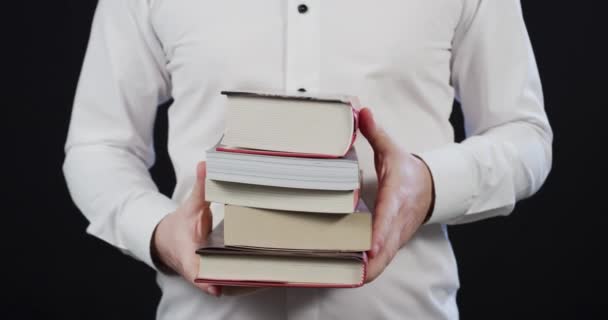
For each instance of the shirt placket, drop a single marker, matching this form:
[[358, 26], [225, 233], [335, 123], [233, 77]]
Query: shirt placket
[[303, 50], [302, 74]]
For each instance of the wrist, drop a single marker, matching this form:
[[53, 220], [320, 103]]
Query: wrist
[[429, 178]]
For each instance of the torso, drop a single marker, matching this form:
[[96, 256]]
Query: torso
[[394, 55]]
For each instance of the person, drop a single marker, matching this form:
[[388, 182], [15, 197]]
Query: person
[[406, 61]]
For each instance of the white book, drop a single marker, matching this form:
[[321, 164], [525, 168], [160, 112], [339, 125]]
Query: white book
[[286, 172]]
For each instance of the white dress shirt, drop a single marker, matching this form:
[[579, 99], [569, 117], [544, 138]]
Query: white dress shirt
[[405, 59]]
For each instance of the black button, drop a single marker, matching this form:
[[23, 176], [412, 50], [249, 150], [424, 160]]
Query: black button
[[302, 8], [302, 90]]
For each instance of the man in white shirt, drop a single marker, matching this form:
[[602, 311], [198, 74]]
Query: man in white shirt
[[405, 60]]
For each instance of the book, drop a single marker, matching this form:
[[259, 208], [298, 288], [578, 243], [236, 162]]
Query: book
[[233, 266], [289, 124], [267, 197], [286, 172], [279, 229]]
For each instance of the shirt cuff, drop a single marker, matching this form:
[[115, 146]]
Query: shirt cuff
[[454, 182], [140, 219]]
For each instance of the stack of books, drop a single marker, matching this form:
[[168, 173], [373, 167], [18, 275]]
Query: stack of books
[[288, 177]]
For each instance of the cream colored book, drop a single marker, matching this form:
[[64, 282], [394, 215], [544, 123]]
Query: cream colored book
[[296, 123], [234, 266], [279, 229], [290, 199]]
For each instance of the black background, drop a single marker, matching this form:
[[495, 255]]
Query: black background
[[543, 261]]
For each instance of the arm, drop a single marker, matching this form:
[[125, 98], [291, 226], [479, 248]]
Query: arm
[[506, 155], [109, 147]]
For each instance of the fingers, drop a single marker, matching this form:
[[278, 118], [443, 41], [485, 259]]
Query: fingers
[[206, 221], [226, 290], [210, 289], [386, 209], [236, 291], [203, 227], [197, 197], [376, 136], [385, 256]]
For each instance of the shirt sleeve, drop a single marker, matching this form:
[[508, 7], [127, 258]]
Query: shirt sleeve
[[109, 147], [507, 153]]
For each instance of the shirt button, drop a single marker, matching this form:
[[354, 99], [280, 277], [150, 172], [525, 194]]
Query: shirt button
[[302, 8], [302, 90]]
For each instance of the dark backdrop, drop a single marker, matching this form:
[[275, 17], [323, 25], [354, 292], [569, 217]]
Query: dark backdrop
[[542, 261]]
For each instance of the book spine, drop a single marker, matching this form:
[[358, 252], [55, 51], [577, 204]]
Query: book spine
[[355, 107]]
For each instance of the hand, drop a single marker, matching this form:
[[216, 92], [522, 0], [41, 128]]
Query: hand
[[180, 233], [405, 194]]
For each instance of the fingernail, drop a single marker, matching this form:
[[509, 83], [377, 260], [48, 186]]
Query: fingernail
[[212, 291]]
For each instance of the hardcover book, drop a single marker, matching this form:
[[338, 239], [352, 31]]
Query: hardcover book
[[235, 266], [295, 125], [279, 229]]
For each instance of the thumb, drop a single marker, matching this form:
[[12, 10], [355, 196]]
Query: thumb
[[204, 224], [199, 206], [373, 132], [197, 202]]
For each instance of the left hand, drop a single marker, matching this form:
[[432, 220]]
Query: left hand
[[405, 194]]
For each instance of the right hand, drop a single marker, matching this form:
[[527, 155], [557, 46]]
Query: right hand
[[181, 233]]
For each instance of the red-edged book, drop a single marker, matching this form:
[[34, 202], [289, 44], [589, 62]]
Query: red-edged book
[[256, 267], [289, 124]]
